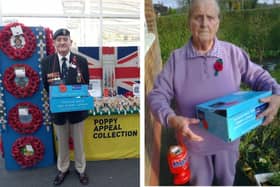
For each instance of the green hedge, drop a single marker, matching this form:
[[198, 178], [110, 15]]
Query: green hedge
[[257, 31]]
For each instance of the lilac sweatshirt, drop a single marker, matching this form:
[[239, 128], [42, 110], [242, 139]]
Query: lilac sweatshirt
[[189, 79]]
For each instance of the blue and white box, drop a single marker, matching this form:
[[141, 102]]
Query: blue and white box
[[69, 98], [233, 115]]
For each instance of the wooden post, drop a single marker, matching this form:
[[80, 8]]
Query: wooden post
[[153, 64]]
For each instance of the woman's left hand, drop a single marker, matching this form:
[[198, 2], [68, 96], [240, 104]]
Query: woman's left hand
[[272, 109]]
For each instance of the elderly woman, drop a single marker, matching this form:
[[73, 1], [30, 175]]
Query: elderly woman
[[190, 78]]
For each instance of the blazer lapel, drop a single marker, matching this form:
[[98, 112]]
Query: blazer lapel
[[55, 64]]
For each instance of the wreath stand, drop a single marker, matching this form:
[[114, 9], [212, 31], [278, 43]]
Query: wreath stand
[[27, 136]]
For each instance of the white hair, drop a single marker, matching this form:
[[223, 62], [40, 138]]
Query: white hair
[[194, 3]]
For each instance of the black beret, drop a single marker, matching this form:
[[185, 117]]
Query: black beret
[[61, 32]]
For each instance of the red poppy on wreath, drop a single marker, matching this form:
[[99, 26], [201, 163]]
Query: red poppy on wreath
[[24, 85], [17, 41], [218, 66], [49, 41], [28, 151], [30, 121]]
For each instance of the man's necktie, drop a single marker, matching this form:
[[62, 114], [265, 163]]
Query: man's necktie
[[64, 68]]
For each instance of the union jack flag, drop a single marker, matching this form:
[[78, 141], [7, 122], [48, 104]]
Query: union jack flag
[[127, 67]]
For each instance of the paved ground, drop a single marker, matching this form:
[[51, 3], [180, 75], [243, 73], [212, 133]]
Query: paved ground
[[109, 173]]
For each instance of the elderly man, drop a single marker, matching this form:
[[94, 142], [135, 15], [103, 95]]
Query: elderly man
[[69, 68], [189, 77]]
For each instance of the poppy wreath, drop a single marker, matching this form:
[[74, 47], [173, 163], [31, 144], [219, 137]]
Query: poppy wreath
[[28, 127], [17, 53], [25, 157], [49, 41], [16, 90]]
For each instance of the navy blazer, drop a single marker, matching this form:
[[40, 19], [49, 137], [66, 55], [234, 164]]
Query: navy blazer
[[49, 65]]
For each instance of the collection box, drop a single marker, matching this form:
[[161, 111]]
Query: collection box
[[233, 115], [69, 98]]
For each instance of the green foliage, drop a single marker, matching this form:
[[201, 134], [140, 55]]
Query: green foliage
[[276, 73], [259, 149], [173, 33], [171, 11], [274, 180], [257, 31], [250, 4], [253, 30]]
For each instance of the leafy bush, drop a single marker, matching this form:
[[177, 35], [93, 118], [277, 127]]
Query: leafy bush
[[259, 149], [173, 33], [274, 180], [257, 31]]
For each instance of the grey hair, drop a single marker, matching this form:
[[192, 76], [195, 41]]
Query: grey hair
[[194, 3]]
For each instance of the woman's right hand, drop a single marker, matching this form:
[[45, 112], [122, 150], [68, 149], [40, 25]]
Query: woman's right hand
[[181, 124]]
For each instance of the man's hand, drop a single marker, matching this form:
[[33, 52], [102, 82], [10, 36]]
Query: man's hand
[[181, 124], [272, 109]]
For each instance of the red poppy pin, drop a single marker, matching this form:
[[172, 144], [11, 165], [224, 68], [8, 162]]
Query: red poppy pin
[[218, 66], [74, 60], [62, 88]]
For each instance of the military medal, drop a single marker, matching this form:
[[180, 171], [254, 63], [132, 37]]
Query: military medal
[[73, 66], [79, 79], [54, 76]]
